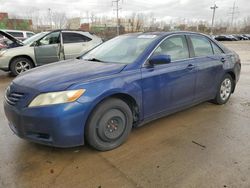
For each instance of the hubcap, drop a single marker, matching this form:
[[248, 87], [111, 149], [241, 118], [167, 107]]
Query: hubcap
[[22, 66], [114, 128], [111, 125], [225, 89]]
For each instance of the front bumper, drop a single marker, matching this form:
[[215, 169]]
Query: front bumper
[[4, 63], [56, 125]]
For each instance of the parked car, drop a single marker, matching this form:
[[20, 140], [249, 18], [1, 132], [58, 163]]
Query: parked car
[[8, 41], [18, 34], [225, 38], [124, 82], [240, 37], [247, 36], [47, 47]]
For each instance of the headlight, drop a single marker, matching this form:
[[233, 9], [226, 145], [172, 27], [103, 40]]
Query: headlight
[[2, 52], [57, 97]]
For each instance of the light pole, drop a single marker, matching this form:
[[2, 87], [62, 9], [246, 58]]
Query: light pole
[[214, 9], [50, 17]]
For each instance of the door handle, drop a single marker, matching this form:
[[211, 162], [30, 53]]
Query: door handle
[[190, 67], [223, 60]]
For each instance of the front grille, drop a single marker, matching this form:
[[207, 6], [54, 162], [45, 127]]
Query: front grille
[[13, 97]]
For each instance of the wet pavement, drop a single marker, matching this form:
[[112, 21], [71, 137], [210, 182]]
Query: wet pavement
[[204, 146]]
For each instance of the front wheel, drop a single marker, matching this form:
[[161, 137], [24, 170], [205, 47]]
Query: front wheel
[[225, 90], [109, 125], [20, 65]]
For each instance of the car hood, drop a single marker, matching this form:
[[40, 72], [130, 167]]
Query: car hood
[[59, 76], [13, 39]]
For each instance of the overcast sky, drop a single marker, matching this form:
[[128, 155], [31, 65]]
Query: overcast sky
[[162, 9]]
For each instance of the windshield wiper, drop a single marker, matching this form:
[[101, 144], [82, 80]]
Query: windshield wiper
[[94, 59]]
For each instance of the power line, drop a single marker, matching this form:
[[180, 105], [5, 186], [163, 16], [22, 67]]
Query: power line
[[233, 13], [117, 9]]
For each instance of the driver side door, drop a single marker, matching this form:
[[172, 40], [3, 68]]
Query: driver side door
[[48, 48], [169, 87]]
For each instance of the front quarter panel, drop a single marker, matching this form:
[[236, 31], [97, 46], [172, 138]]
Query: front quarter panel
[[126, 82], [15, 52]]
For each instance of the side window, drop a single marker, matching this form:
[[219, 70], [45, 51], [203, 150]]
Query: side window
[[217, 50], [29, 34], [16, 34], [175, 46], [202, 46], [52, 38], [74, 38]]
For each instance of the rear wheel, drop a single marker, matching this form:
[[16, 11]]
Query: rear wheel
[[20, 65], [225, 90], [109, 125]]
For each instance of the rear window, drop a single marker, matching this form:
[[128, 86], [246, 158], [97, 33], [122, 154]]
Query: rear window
[[74, 38], [16, 34], [216, 49], [202, 46]]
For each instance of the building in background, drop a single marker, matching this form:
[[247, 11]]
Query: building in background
[[14, 23]]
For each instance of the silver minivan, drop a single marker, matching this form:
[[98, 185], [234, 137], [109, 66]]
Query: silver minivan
[[47, 47]]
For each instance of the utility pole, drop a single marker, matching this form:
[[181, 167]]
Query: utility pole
[[233, 12], [212, 26], [117, 15], [50, 17]]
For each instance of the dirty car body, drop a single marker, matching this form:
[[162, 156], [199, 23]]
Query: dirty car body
[[137, 71]]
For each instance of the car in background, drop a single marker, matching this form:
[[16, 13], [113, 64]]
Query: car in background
[[240, 37], [247, 36], [225, 38], [47, 47], [18, 34], [127, 81], [8, 41]]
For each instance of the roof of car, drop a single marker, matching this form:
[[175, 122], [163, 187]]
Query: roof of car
[[165, 33]]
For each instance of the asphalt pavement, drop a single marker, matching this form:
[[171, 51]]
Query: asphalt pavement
[[204, 146]]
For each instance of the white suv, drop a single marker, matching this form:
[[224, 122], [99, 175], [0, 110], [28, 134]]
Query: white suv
[[20, 35]]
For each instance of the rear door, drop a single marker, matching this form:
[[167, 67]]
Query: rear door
[[48, 48], [169, 86], [208, 58], [75, 44]]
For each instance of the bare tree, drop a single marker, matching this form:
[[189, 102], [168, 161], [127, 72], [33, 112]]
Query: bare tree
[[92, 17], [59, 20]]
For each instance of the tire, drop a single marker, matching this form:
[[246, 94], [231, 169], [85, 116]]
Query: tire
[[20, 65], [224, 90], [109, 125]]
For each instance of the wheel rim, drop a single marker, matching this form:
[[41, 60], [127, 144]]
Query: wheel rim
[[22, 66], [112, 125], [225, 89]]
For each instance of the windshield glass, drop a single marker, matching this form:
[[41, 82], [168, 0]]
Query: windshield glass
[[122, 49], [34, 38]]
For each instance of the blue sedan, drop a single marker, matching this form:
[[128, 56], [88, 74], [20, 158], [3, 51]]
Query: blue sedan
[[123, 83]]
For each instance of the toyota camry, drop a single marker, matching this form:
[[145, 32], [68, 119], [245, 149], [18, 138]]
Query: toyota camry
[[122, 83]]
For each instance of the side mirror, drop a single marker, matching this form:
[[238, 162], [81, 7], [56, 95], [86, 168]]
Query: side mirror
[[160, 59], [35, 43]]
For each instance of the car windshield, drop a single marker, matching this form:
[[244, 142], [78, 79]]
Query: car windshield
[[122, 49], [34, 38]]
